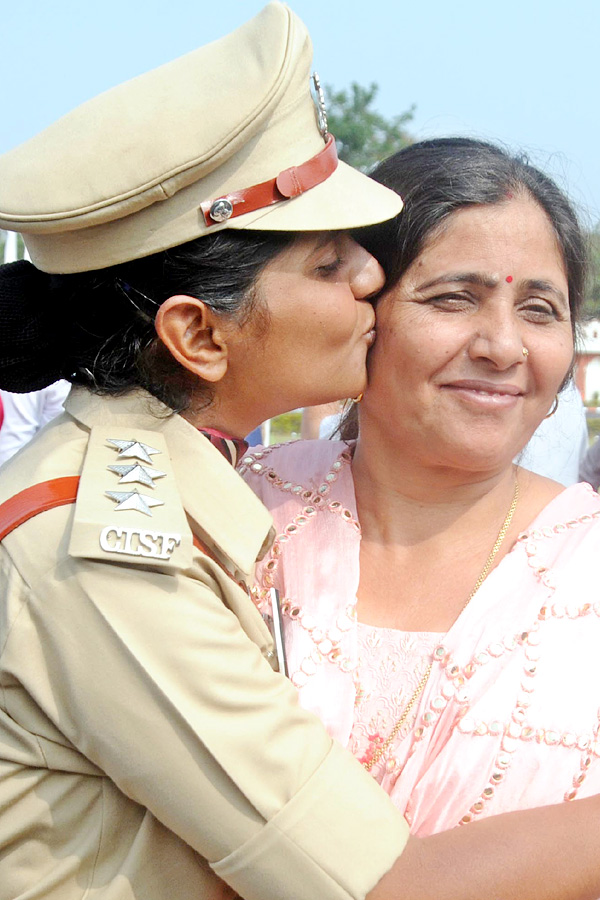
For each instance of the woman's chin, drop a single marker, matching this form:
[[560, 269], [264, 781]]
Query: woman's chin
[[485, 457]]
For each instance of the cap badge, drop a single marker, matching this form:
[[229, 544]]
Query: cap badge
[[320, 104]]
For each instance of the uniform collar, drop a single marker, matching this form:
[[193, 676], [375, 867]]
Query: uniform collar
[[221, 507], [231, 448]]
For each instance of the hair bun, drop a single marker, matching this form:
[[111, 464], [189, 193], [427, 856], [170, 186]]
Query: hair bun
[[31, 346]]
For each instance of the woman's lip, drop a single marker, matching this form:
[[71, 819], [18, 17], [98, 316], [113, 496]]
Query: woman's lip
[[485, 387], [484, 396]]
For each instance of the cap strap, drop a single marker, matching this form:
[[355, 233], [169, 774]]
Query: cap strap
[[289, 183]]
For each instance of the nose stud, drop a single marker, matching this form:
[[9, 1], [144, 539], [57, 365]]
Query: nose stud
[[525, 352]]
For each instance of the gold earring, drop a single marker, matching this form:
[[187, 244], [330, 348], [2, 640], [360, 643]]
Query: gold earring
[[358, 397], [525, 352]]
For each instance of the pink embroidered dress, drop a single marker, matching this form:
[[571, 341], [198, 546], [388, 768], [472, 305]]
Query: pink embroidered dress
[[510, 715]]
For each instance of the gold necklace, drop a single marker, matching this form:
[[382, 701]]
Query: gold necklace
[[383, 748]]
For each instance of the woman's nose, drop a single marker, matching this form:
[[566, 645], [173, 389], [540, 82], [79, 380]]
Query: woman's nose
[[498, 338], [367, 276]]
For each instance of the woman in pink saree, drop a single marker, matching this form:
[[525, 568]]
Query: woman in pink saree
[[439, 602]]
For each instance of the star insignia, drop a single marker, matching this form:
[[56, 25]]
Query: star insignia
[[133, 500], [135, 449], [137, 473]]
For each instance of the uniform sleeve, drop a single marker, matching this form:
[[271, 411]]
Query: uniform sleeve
[[151, 678]]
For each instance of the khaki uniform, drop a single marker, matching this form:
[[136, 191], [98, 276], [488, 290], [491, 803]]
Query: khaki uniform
[[146, 745]]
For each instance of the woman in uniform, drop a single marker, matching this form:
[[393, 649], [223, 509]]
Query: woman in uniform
[[191, 278]]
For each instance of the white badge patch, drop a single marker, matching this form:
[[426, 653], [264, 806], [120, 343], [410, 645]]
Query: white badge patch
[[135, 542]]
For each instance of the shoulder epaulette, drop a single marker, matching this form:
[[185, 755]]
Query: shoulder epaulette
[[47, 495], [128, 507]]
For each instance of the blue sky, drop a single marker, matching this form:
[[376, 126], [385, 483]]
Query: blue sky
[[521, 72]]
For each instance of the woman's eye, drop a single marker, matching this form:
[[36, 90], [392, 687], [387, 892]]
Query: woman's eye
[[451, 301], [330, 268], [540, 311]]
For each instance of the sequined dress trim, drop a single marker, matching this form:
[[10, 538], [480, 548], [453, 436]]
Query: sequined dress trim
[[510, 716]]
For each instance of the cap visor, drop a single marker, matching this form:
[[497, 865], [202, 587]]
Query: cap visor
[[347, 199]]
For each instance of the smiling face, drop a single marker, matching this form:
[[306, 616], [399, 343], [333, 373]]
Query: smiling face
[[318, 327], [449, 383]]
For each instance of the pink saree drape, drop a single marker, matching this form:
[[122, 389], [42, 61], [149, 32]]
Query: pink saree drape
[[510, 716]]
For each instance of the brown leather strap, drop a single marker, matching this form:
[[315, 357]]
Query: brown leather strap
[[36, 499], [59, 492], [290, 183]]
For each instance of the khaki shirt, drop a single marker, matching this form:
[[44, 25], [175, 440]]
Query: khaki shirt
[[147, 748]]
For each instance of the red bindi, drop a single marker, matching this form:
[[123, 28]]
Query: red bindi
[[509, 278]]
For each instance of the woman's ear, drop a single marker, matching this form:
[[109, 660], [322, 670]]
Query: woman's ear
[[193, 334]]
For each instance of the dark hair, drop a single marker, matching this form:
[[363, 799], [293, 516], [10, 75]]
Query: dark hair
[[438, 177], [97, 328]]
